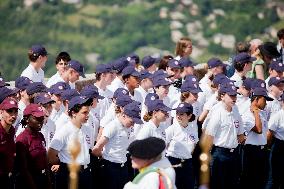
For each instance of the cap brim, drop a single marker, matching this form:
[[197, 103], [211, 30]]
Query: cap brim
[[38, 114], [267, 98], [232, 93], [252, 59], [166, 109], [48, 101], [137, 120], [100, 97], [82, 75]]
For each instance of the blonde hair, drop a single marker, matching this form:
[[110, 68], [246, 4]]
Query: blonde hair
[[181, 45]]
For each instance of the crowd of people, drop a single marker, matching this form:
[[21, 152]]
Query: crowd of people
[[143, 122]]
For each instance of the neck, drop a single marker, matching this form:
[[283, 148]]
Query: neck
[[228, 108], [35, 65], [76, 123], [241, 74], [5, 126], [156, 122], [274, 94], [100, 84]]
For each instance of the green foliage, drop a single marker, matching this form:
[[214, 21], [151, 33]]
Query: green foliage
[[113, 28]]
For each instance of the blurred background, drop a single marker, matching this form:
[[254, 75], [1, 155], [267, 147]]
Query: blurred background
[[98, 31]]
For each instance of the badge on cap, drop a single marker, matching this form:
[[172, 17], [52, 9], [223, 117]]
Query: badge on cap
[[153, 98], [128, 59], [176, 62], [233, 87], [124, 91], [60, 87], [40, 109], [278, 78], [195, 85], [193, 79], [181, 105], [262, 85], [1, 79], [12, 102], [280, 64]]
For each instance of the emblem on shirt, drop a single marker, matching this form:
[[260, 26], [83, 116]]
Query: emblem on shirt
[[43, 143], [88, 139], [191, 138], [237, 123]]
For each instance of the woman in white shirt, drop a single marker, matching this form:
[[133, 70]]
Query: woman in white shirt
[[58, 153], [181, 139]]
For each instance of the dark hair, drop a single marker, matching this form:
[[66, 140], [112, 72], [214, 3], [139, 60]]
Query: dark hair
[[219, 96], [254, 97], [33, 56], [280, 33], [242, 47], [117, 109], [78, 107], [98, 76], [148, 116], [184, 96], [62, 56], [239, 66], [24, 121], [164, 62]]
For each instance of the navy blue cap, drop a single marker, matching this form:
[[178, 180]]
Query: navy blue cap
[[103, 68], [3, 83], [120, 91], [247, 83], [191, 78], [228, 89], [22, 82], [275, 81], [190, 86], [150, 97], [134, 112], [133, 58], [148, 61], [157, 105], [123, 100], [36, 87], [214, 62], [69, 94], [243, 58], [91, 91], [77, 100], [220, 79], [58, 88], [261, 92], [38, 50], [130, 70], [184, 108], [77, 66], [173, 63], [277, 65], [120, 64], [160, 73], [161, 81], [5, 92], [258, 83], [43, 98], [145, 74], [186, 62], [282, 97]]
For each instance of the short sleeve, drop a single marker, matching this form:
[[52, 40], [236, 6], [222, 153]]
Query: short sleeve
[[273, 122], [59, 140], [143, 133], [109, 131], [169, 134], [248, 121], [213, 123]]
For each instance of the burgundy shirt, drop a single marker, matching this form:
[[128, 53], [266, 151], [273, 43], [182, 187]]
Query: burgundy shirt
[[7, 150], [34, 145]]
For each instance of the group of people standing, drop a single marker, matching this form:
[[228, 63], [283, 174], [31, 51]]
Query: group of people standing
[[142, 122]]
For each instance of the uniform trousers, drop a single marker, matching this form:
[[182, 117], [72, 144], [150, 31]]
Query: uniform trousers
[[184, 172], [255, 167], [40, 179], [114, 175], [223, 167], [6, 181]]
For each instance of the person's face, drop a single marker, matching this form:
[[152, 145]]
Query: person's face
[[47, 108], [128, 121], [242, 90], [83, 115], [152, 68], [187, 49], [229, 100], [162, 91], [138, 163], [174, 72], [281, 41], [61, 66], [161, 115], [147, 83], [74, 76], [35, 123], [24, 95], [248, 66], [9, 116], [192, 98], [43, 60], [108, 77], [183, 119], [277, 89], [57, 100], [188, 70], [218, 70], [261, 102], [132, 82], [95, 103], [274, 73]]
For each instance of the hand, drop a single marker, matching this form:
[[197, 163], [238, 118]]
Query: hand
[[254, 109], [54, 168]]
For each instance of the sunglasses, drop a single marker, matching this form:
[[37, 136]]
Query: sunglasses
[[12, 111]]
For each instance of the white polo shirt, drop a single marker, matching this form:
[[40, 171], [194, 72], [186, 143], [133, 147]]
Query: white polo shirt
[[17, 124], [203, 83], [207, 119], [31, 73], [61, 121], [181, 141], [254, 138], [140, 94], [103, 104], [54, 115], [65, 136], [109, 116], [118, 140], [93, 124], [272, 106], [149, 129], [115, 84], [211, 102], [54, 79], [237, 78], [225, 126], [48, 131], [276, 124], [243, 104], [204, 96]]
